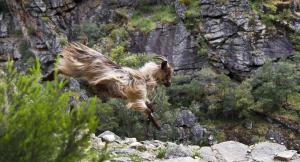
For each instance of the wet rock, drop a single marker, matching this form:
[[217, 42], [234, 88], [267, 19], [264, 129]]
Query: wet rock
[[109, 136], [266, 151], [231, 151]]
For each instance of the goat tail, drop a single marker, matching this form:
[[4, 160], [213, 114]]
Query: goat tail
[[80, 61]]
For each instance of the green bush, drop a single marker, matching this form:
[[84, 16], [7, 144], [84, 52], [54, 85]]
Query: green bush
[[161, 152], [273, 84], [146, 16], [27, 54], [35, 124]]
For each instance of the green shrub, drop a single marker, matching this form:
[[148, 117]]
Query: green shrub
[[273, 84], [272, 14], [144, 24], [35, 123], [146, 16], [31, 31], [161, 152], [193, 8], [27, 54]]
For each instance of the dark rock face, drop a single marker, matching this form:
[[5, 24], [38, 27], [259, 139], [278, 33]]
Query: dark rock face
[[173, 41], [238, 40], [185, 119]]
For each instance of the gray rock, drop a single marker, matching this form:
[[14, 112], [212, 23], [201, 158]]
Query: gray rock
[[275, 136], [96, 142], [3, 29], [207, 154], [121, 159], [149, 156], [197, 133], [129, 140], [125, 151], [138, 146], [180, 159], [248, 124], [266, 151], [286, 155], [41, 4], [180, 9], [231, 151], [230, 31], [109, 136], [174, 150], [173, 41], [185, 119]]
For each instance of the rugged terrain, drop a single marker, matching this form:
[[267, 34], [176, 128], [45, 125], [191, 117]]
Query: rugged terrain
[[129, 149], [232, 37]]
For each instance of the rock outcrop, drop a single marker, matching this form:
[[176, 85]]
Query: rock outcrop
[[239, 42], [158, 151]]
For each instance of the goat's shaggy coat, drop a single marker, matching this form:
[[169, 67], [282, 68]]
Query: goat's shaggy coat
[[110, 79]]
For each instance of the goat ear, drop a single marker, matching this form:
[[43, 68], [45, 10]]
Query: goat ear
[[164, 64]]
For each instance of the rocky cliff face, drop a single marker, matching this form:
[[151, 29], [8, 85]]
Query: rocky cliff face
[[238, 41]]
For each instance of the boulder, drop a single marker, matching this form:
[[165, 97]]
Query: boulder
[[174, 150], [121, 159], [286, 155], [207, 154], [180, 159], [129, 140], [109, 136], [125, 151], [138, 146], [185, 119], [231, 151], [197, 133], [266, 151], [229, 28]]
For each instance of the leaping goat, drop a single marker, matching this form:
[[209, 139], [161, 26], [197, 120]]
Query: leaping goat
[[112, 80]]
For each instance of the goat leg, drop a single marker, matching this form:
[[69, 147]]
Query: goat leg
[[152, 119], [150, 106]]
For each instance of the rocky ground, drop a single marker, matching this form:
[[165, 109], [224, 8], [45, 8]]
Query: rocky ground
[[129, 149]]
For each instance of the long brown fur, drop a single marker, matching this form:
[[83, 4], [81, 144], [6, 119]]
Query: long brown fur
[[111, 80]]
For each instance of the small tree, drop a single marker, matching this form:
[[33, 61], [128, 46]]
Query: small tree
[[273, 84], [34, 123]]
